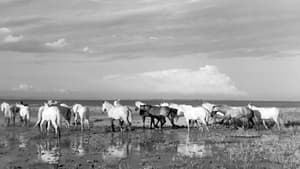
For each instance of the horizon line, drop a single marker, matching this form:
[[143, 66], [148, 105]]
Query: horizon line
[[153, 99]]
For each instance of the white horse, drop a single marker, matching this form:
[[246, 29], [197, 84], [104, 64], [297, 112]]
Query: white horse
[[208, 106], [267, 113], [117, 102], [82, 113], [198, 114], [51, 115], [8, 114], [24, 114], [121, 113], [164, 104], [176, 106], [138, 104], [64, 105]]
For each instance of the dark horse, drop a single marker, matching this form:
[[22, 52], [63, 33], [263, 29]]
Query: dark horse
[[159, 113], [171, 114], [65, 112], [237, 115], [14, 110]]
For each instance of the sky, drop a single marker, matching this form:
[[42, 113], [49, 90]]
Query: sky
[[150, 49]]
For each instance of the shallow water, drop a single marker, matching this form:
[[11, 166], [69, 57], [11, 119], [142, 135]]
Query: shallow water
[[168, 148]]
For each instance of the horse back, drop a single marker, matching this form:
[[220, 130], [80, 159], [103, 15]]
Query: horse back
[[240, 112], [268, 113]]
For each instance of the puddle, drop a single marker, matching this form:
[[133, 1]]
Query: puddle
[[170, 148]]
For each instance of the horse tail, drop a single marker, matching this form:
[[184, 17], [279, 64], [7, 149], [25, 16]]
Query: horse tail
[[129, 115], [2, 107], [58, 118]]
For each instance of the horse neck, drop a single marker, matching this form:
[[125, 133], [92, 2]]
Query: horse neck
[[221, 110], [76, 107], [108, 106]]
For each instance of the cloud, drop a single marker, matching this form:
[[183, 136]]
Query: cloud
[[60, 43], [206, 80], [22, 87], [4, 30], [13, 38]]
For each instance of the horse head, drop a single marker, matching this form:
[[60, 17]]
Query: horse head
[[214, 110], [250, 106], [138, 105], [106, 106], [117, 102]]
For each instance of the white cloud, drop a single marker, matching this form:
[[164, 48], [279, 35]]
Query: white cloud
[[4, 30], [206, 80], [60, 43], [87, 50], [13, 38], [22, 87]]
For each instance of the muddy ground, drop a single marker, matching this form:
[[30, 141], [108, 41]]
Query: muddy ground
[[220, 148]]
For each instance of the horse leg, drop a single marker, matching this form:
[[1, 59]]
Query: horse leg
[[172, 121], [75, 120], [57, 132], [121, 122], [112, 125], [14, 120], [159, 120], [162, 122], [81, 124], [277, 123], [188, 124], [48, 127], [41, 126], [264, 123], [129, 126], [27, 120], [8, 121], [205, 124], [152, 122], [198, 125], [144, 118], [87, 123]]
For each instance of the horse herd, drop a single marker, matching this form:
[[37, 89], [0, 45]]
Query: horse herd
[[54, 114]]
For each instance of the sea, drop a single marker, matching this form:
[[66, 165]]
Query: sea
[[283, 104]]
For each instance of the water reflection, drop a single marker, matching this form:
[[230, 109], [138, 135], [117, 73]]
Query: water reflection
[[80, 144], [191, 149], [22, 141], [161, 149], [12, 140], [49, 151], [119, 148]]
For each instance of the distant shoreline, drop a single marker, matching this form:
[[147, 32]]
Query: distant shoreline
[[194, 102]]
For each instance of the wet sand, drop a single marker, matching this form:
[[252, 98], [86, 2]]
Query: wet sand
[[150, 149]]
